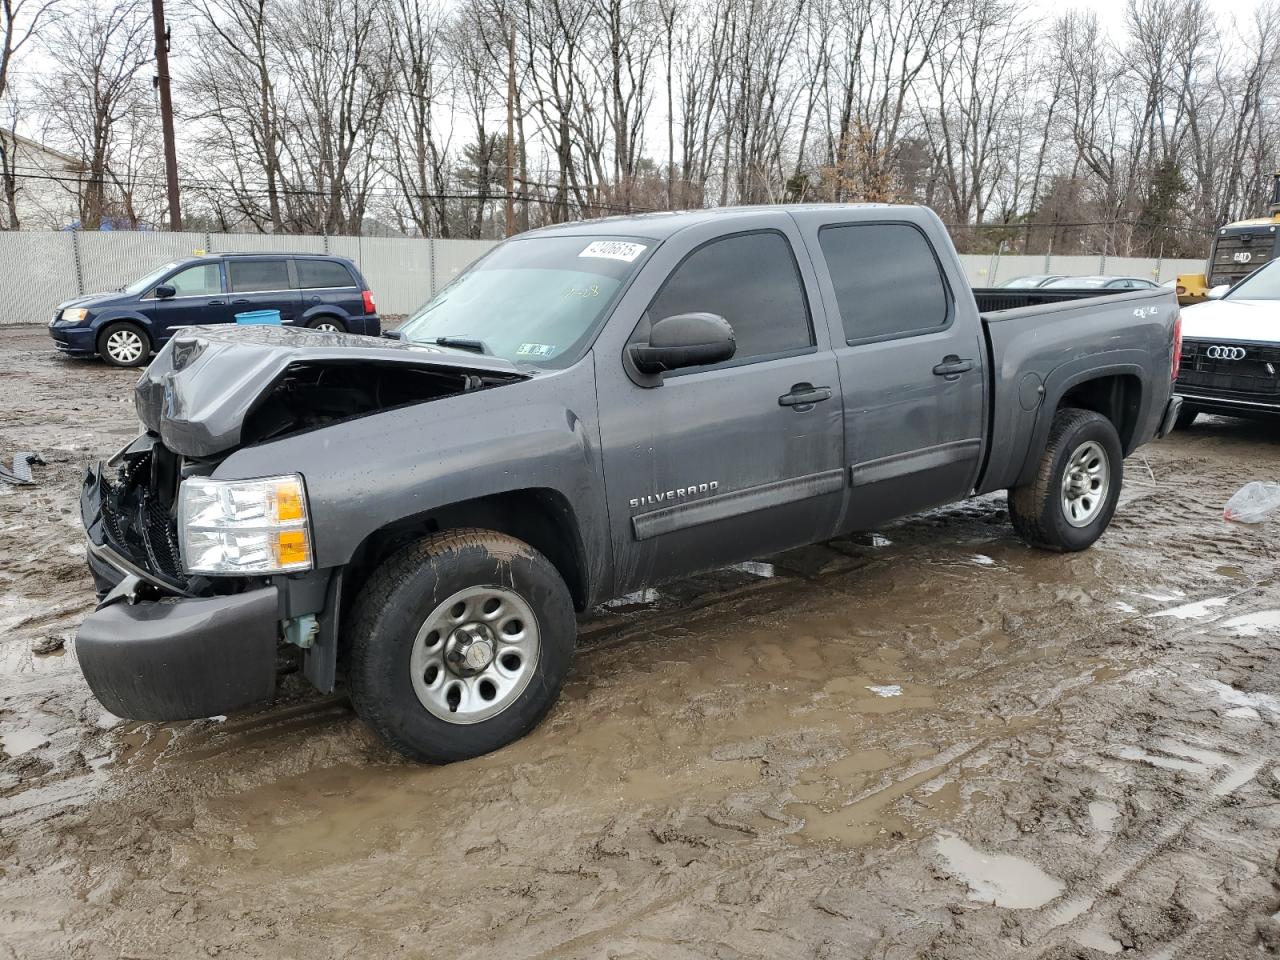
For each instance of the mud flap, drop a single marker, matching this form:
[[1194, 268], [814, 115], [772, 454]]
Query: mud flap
[[180, 658], [1170, 416]]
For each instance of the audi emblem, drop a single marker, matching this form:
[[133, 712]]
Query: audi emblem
[[1226, 353]]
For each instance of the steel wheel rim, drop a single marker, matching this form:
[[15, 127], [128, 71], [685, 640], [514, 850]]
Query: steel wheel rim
[[124, 346], [1086, 481], [444, 665]]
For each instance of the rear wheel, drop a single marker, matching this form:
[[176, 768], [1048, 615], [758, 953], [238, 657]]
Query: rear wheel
[[1073, 496], [328, 325], [1186, 417], [123, 344], [460, 645]]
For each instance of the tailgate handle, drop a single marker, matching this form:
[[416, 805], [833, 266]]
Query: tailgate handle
[[951, 367], [803, 396]]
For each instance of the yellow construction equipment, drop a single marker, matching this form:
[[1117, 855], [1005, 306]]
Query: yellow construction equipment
[[1238, 249]]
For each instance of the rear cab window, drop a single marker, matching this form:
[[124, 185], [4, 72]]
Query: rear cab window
[[752, 280], [257, 276], [323, 275], [888, 281]]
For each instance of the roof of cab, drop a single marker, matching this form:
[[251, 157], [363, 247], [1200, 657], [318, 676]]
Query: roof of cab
[[660, 225]]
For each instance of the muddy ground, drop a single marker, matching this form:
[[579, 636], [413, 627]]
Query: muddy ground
[[929, 741]]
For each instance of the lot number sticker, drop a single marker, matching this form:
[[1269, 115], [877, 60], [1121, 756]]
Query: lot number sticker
[[613, 250], [536, 350]]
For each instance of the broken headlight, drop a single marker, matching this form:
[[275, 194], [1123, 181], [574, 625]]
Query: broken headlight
[[233, 527]]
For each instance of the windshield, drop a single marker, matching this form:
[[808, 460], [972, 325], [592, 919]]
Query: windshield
[[1262, 284], [531, 301], [150, 280]]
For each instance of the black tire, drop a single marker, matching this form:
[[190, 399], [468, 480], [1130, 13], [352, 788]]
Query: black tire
[[326, 321], [124, 344], [1037, 509], [1186, 417], [395, 605]]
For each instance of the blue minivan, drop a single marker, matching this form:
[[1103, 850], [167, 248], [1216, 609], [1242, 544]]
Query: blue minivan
[[309, 290]]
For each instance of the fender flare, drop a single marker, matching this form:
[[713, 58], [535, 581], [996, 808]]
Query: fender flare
[[1062, 378]]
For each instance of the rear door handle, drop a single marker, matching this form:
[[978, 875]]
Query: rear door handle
[[245, 300], [951, 367], [803, 396]]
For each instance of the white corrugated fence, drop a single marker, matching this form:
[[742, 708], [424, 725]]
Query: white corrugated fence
[[38, 270]]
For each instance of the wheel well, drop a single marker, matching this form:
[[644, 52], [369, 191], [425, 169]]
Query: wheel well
[[1117, 397], [540, 517]]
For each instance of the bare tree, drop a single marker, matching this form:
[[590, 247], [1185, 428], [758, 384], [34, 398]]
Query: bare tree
[[99, 81]]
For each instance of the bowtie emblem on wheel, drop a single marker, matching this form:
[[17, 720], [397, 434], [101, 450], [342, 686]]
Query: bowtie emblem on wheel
[[1226, 353]]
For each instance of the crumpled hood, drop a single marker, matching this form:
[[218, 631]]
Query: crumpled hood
[[206, 380], [1254, 321]]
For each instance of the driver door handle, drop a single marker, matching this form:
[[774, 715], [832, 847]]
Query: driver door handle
[[216, 303], [803, 396], [951, 367]]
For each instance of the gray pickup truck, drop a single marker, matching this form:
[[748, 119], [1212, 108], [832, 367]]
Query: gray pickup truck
[[590, 409]]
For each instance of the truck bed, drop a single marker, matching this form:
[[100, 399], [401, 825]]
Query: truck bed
[[1005, 298], [1039, 352]]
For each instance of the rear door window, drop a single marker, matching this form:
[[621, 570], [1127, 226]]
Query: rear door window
[[751, 280], [248, 276], [321, 274], [887, 280]]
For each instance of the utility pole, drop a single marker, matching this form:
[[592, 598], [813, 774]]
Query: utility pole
[[511, 129], [166, 114]]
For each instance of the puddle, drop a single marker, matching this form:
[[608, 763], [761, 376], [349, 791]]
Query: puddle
[[998, 878], [1252, 624], [1194, 611], [755, 568], [889, 690], [1241, 699], [18, 742], [1096, 938], [1103, 816], [640, 598]]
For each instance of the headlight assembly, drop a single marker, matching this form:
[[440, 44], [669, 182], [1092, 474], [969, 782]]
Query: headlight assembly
[[73, 315], [231, 527]]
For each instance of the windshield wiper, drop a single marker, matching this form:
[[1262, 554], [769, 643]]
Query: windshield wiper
[[462, 343]]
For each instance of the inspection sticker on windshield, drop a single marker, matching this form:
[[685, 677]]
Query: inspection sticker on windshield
[[536, 350], [613, 250]]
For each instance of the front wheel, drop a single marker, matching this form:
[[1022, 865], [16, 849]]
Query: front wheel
[[123, 344], [460, 645], [1073, 496]]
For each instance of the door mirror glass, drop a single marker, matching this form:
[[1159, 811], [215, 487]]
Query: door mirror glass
[[1218, 292], [685, 340], [165, 292]]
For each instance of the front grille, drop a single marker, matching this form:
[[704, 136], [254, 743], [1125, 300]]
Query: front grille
[[137, 517], [1255, 376], [1235, 256]]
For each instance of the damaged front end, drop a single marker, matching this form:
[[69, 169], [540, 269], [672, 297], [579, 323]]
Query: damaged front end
[[167, 644]]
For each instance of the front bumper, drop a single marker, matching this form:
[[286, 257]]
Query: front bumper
[[179, 658], [152, 651], [1230, 406], [76, 341]]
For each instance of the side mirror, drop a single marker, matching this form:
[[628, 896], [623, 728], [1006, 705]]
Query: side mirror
[[685, 340], [393, 335], [165, 292], [1218, 292]]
